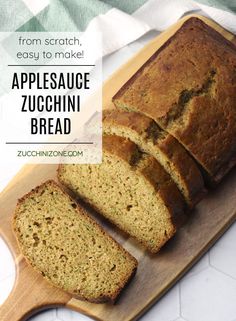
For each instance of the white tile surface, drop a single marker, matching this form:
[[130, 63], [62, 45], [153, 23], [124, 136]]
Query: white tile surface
[[201, 265], [8, 267], [166, 309], [66, 314], [208, 296], [6, 286], [47, 315], [6, 174], [223, 254]]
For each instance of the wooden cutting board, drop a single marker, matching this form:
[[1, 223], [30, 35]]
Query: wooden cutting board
[[156, 273]]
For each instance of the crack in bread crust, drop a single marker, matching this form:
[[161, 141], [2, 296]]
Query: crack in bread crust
[[178, 110], [178, 88]]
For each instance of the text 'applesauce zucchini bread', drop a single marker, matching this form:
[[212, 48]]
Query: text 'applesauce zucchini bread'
[[69, 248], [151, 139], [131, 189], [189, 88]]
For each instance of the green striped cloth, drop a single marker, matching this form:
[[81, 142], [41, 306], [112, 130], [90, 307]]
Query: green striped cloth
[[73, 15], [120, 21], [229, 5]]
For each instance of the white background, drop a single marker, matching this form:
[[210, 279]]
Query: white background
[[15, 125]]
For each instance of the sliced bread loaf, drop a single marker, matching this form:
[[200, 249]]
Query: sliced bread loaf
[[131, 189], [69, 248], [191, 93], [151, 139]]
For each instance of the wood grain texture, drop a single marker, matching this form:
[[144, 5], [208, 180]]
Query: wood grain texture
[[31, 292], [156, 273]]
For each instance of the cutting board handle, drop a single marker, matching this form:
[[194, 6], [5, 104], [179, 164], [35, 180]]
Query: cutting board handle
[[30, 294]]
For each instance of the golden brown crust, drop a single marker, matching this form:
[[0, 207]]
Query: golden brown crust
[[122, 148], [163, 143], [187, 168], [148, 167], [111, 298], [165, 187], [132, 120], [189, 88]]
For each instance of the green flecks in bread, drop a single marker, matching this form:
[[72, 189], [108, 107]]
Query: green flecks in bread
[[131, 189], [69, 248], [151, 139]]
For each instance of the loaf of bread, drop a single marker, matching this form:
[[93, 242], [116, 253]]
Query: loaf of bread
[[151, 139], [189, 88], [130, 189], [69, 248]]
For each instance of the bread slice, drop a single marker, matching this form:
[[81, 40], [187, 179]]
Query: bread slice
[[151, 139], [69, 248], [131, 189], [189, 88]]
